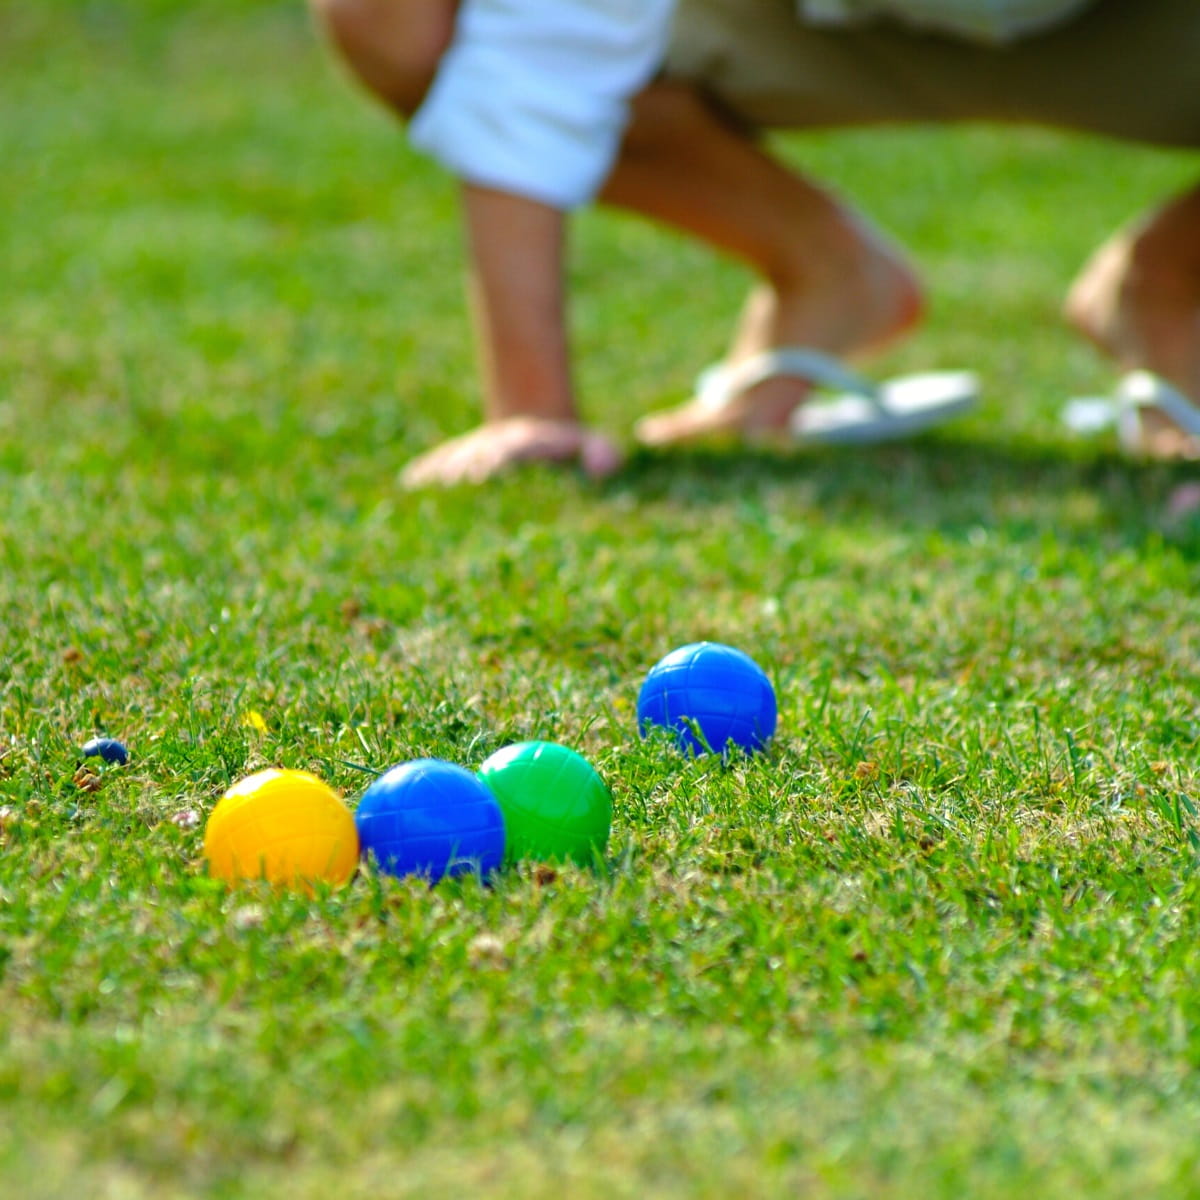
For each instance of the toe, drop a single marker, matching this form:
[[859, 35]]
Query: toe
[[682, 424]]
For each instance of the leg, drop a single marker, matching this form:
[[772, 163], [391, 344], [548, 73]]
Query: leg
[[828, 280], [392, 46], [1121, 68], [1138, 300]]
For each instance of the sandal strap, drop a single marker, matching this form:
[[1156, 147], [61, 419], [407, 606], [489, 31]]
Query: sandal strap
[[719, 386], [1144, 389]]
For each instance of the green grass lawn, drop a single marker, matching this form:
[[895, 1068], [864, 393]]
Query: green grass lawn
[[943, 940]]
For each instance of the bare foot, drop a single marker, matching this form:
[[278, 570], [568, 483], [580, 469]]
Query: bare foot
[[1138, 301], [496, 446], [856, 298]]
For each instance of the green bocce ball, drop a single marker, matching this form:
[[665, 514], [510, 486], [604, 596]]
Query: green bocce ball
[[556, 807]]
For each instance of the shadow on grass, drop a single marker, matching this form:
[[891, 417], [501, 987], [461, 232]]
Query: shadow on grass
[[953, 486]]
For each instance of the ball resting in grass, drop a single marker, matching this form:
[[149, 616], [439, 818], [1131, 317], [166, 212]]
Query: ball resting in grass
[[287, 827], [556, 807], [430, 818], [710, 696], [109, 749]]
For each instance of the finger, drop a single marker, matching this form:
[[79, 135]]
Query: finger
[[600, 456], [552, 442], [437, 466]]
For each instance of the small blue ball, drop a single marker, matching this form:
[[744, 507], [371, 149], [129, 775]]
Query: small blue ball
[[724, 693], [430, 818], [108, 749]]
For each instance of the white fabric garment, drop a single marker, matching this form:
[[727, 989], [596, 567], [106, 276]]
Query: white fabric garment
[[533, 95], [997, 21]]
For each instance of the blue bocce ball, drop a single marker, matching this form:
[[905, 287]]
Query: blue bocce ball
[[106, 748], [430, 818], [710, 695]]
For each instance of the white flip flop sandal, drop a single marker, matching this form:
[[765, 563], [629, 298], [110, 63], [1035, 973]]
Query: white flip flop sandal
[[858, 412], [1136, 392]]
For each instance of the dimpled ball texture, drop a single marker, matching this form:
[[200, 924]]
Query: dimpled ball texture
[[556, 807], [287, 827], [723, 691], [430, 818]]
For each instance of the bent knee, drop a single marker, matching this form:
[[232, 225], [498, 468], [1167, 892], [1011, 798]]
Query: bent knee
[[667, 110], [392, 46]]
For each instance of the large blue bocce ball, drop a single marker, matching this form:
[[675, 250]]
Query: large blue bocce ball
[[712, 696], [430, 818]]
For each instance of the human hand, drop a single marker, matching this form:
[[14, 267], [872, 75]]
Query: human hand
[[496, 446]]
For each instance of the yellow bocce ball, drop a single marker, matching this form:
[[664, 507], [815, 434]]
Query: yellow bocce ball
[[285, 827]]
